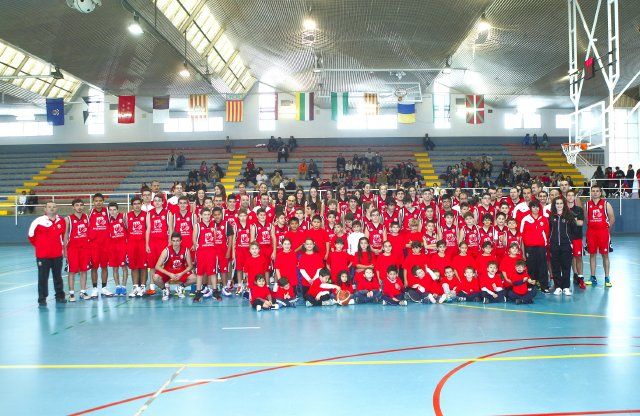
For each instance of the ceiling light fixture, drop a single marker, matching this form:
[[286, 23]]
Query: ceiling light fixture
[[483, 23], [309, 24], [184, 72], [134, 27], [447, 66]]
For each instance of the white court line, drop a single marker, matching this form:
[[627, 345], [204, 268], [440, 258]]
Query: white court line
[[233, 328], [146, 404], [19, 271], [18, 287], [201, 380]]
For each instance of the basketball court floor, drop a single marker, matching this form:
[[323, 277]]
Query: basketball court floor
[[577, 355]]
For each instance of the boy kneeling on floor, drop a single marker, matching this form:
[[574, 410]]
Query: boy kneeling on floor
[[320, 292], [520, 292], [261, 295]]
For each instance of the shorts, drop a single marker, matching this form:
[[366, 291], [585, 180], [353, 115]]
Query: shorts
[[577, 247], [99, 254], [136, 254], [221, 262], [242, 254], [117, 254], [156, 246], [165, 278], [598, 240], [206, 262], [78, 258]]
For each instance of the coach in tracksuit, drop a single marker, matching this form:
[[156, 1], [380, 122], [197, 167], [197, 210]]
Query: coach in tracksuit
[[535, 237], [563, 230], [45, 233]]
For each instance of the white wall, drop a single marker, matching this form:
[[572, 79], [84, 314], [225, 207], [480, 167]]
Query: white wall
[[74, 131]]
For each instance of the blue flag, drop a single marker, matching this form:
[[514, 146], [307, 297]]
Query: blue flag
[[55, 111]]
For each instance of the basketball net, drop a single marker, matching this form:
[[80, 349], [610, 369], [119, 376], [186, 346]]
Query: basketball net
[[571, 151]]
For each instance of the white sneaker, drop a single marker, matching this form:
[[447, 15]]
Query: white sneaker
[[403, 303], [258, 308], [431, 298], [134, 292], [384, 302], [352, 302], [207, 292], [165, 294], [308, 303], [141, 290], [105, 292], [557, 292], [180, 292], [94, 293], [567, 292], [442, 299], [275, 306]]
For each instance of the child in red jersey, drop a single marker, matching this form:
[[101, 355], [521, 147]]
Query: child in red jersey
[[118, 247], [284, 293], [295, 235], [260, 295], [463, 260], [486, 256], [521, 292], [367, 287], [413, 233], [491, 284], [396, 239], [469, 286], [338, 232], [469, 234], [430, 238], [309, 265], [385, 259], [286, 263], [392, 288], [439, 260], [415, 258], [507, 266], [417, 287], [320, 293], [450, 285], [345, 283], [339, 260], [256, 264], [319, 236]]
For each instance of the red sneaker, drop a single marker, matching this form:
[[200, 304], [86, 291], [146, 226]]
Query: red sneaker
[[581, 284], [150, 292]]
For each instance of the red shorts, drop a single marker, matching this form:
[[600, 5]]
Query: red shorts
[[598, 240], [221, 262], [136, 254], [242, 254], [99, 254], [78, 258], [577, 247], [156, 247], [165, 278], [206, 262], [117, 253]]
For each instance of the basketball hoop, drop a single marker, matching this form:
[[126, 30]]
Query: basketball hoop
[[571, 151]]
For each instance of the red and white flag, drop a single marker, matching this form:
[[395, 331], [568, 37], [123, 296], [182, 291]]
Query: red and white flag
[[198, 106], [126, 109], [475, 109]]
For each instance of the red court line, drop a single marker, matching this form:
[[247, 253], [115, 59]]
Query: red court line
[[263, 370], [591, 412], [438, 390]]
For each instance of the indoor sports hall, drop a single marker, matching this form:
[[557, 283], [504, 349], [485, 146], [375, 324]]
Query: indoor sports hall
[[306, 207]]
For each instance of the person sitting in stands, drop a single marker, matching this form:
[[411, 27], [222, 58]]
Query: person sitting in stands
[[180, 161]]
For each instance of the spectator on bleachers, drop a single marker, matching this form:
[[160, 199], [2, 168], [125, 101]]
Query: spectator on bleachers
[[228, 144], [340, 165], [630, 175], [369, 154], [293, 143], [261, 177], [312, 169], [275, 180], [22, 203], [32, 201], [180, 161], [535, 141], [348, 169], [216, 168], [429, 145], [545, 141], [283, 153], [272, 145], [526, 141], [291, 185], [192, 175], [204, 171], [201, 186], [302, 169], [377, 162], [171, 162]]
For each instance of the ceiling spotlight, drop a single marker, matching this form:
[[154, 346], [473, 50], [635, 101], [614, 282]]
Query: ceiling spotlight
[[184, 72], [483, 23], [135, 27], [309, 24]]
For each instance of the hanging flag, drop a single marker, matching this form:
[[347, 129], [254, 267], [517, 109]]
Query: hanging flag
[[475, 109], [126, 109], [160, 109], [234, 111], [304, 106], [285, 106], [371, 106], [198, 106], [406, 113], [275, 108], [55, 111], [339, 105]]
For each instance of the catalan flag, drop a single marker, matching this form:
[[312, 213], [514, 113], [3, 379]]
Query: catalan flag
[[198, 106], [304, 106], [475, 109], [406, 113], [234, 111]]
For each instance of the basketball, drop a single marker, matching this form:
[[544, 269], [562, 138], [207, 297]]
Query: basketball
[[342, 297]]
